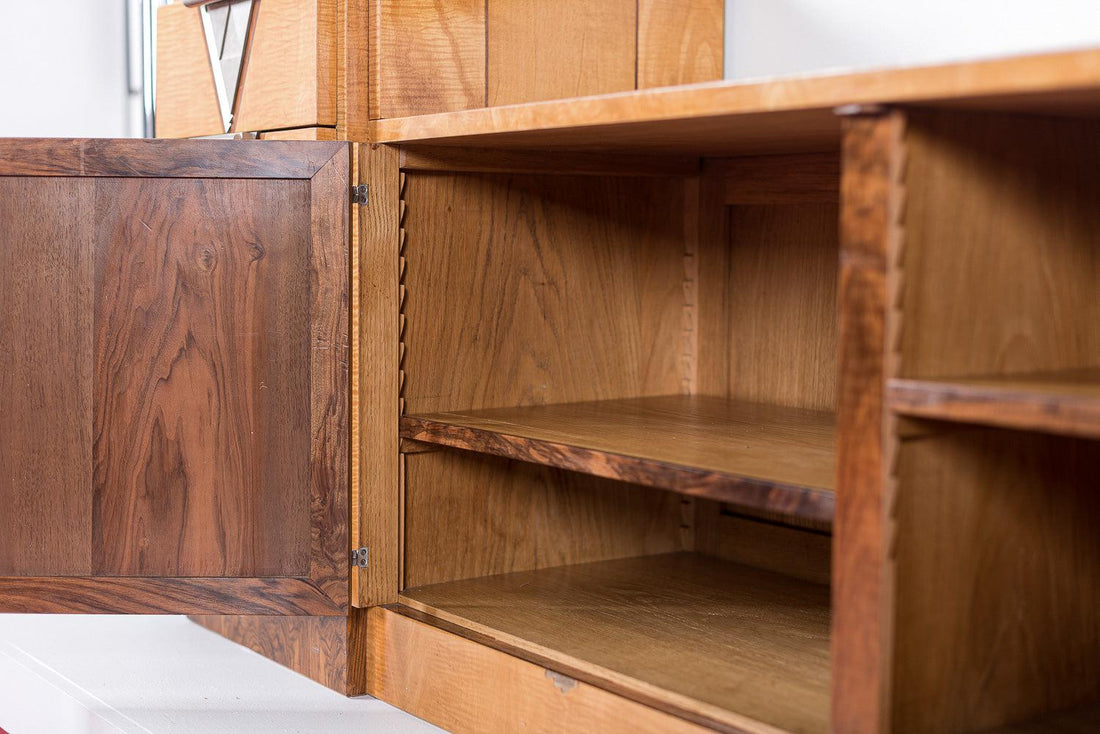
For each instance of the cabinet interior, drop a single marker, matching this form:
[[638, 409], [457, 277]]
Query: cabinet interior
[[574, 347]]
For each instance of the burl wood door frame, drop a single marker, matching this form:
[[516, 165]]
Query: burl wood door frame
[[147, 291]]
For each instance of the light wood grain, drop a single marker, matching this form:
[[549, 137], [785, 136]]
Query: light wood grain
[[426, 57], [755, 454], [679, 41], [480, 160], [186, 100], [353, 69], [375, 501], [782, 304], [580, 251], [469, 516], [289, 77], [568, 48], [1004, 257], [1001, 525], [801, 550], [1066, 402], [464, 686], [772, 116], [720, 643]]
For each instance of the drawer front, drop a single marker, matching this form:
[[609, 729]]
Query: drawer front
[[287, 77], [174, 376]]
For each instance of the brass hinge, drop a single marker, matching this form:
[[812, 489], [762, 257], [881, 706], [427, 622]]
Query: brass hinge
[[359, 194], [360, 557]]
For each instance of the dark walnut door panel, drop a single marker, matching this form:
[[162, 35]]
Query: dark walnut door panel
[[174, 377]]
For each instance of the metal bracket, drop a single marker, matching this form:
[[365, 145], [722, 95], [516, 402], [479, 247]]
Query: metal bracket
[[360, 557], [359, 194]]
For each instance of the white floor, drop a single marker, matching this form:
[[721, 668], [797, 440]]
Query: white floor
[[161, 675]]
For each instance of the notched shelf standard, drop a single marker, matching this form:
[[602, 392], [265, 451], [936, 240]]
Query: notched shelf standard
[[767, 457]]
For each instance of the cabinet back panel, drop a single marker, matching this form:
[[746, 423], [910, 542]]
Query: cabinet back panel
[[1002, 246], [997, 579], [468, 515], [526, 290]]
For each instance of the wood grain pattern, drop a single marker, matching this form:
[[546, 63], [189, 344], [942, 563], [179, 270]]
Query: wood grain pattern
[[523, 335], [196, 324], [680, 41], [186, 100], [353, 69], [803, 551], [459, 685], [1078, 721], [781, 115], [1004, 261], [872, 163], [426, 57], [316, 647], [301, 133], [744, 453], [281, 595], [569, 48], [723, 644], [480, 160], [289, 76], [468, 516], [1002, 525], [571, 242], [1066, 402], [791, 179], [198, 352], [376, 507], [782, 304], [207, 159], [45, 375]]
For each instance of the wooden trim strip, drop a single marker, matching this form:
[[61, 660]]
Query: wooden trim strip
[[240, 159], [275, 595]]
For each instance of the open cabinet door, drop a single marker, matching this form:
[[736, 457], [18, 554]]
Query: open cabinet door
[[174, 377]]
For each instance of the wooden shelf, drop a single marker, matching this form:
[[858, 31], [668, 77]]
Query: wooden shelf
[[763, 456], [719, 643], [763, 116], [1066, 402]]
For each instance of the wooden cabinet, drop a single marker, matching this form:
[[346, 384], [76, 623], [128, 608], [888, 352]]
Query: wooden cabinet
[[747, 407]]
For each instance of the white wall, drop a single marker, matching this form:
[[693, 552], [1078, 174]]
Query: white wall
[[770, 37], [63, 69]]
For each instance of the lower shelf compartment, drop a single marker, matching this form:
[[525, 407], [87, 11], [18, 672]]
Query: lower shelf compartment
[[714, 642]]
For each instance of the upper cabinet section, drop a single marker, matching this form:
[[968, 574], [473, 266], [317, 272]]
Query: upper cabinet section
[[335, 65], [287, 72]]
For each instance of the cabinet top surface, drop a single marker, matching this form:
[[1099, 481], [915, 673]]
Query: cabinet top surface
[[770, 115]]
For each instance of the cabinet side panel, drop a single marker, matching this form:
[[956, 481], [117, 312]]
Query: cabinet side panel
[[202, 372], [1003, 262], [998, 579], [45, 376], [551, 50]]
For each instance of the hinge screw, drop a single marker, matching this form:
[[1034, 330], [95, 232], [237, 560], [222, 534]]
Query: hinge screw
[[359, 194], [360, 557]]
